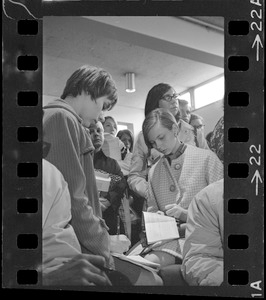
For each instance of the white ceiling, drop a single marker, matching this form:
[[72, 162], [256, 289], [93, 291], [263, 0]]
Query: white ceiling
[[157, 49]]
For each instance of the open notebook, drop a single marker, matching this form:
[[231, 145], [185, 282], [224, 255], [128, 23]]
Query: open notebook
[[159, 227], [138, 260]]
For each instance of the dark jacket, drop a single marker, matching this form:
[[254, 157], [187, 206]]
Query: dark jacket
[[116, 191]]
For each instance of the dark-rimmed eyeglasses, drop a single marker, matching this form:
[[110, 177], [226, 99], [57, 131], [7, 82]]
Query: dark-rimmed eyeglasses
[[170, 98]]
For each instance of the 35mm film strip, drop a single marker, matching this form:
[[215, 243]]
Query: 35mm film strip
[[243, 135]]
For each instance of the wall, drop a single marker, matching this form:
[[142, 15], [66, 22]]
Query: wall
[[46, 99], [163, 29], [211, 114]]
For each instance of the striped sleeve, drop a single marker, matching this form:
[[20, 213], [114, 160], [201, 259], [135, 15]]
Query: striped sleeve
[[62, 132]]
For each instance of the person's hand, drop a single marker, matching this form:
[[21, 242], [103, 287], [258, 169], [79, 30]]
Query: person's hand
[[119, 243], [130, 200], [174, 210], [104, 203], [83, 269]]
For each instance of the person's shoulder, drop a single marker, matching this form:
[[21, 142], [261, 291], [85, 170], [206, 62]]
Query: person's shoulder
[[140, 137], [49, 167], [140, 142], [212, 194], [201, 155], [196, 151], [200, 151], [59, 113], [50, 172], [210, 198], [214, 187]]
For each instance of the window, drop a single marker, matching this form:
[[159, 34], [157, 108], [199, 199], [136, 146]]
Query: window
[[121, 127], [209, 92], [186, 96]]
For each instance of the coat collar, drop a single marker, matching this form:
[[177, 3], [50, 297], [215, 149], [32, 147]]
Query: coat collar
[[181, 149]]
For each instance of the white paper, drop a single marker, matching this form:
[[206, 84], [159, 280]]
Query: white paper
[[159, 227], [102, 181]]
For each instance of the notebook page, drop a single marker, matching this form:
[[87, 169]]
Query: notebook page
[[159, 227]]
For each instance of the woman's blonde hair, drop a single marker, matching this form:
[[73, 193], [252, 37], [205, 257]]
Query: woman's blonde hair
[[162, 115]]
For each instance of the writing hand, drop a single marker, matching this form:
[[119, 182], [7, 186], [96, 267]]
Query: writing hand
[[83, 269], [174, 210]]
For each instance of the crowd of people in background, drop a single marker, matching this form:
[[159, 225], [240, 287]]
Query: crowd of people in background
[[172, 168]]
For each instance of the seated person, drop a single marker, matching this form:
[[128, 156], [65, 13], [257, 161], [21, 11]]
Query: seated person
[[63, 263], [203, 248], [112, 147], [208, 137], [217, 139], [190, 132], [185, 110], [161, 95], [126, 136], [177, 177], [111, 200], [62, 256], [197, 122]]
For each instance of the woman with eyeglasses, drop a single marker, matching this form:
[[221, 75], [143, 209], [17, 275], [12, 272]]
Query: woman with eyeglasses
[[161, 95]]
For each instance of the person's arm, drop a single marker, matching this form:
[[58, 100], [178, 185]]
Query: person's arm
[[200, 135], [176, 211], [203, 248], [82, 270], [116, 191], [59, 241], [138, 170], [65, 153]]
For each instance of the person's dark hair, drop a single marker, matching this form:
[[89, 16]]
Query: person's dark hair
[[162, 115], [94, 81], [129, 133], [154, 96], [208, 136]]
